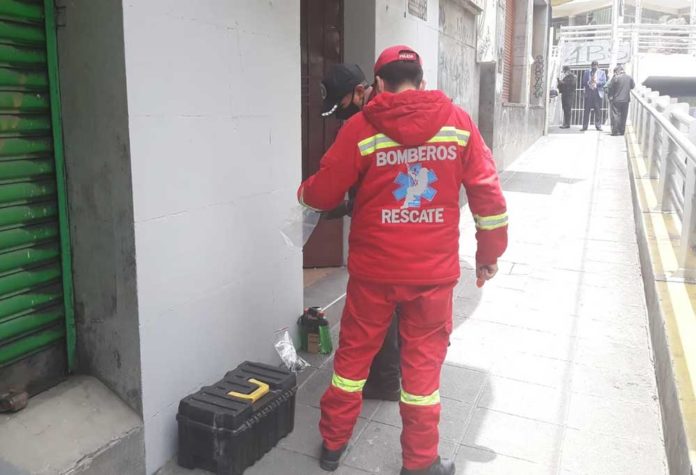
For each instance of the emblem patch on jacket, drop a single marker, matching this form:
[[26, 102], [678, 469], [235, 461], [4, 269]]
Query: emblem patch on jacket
[[415, 185]]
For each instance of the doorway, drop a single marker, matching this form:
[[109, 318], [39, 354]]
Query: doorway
[[321, 40]]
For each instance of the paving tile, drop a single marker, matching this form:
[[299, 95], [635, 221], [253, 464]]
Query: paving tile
[[519, 316], [313, 389], [305, 438], [615, 330], [586, 452], [615, 384], [378, 450], [473, 353], [607, 353], [472, 461], [524, 399], [326, 290], [535, 369], [279, 460], [561, 347], [637, 422], [304, 376], [453, 418], [461, 383], [514, 436]]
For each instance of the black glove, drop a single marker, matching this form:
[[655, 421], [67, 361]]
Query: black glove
[[344, 209]]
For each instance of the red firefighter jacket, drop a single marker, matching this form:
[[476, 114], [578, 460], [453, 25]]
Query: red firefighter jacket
[[408, 154]]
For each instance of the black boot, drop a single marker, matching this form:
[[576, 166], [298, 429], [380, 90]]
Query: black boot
[[330, 458], [439, 467]]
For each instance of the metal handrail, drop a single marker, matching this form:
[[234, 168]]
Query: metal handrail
[[630, 26], [671, 157], [674, 134]]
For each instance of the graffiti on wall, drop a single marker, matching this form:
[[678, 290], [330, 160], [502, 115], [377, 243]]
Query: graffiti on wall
[[539, 68]]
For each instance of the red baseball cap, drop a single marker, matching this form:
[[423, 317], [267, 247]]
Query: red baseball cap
[[397, 53]]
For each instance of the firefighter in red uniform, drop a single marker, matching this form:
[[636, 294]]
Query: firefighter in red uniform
[[408, 153]]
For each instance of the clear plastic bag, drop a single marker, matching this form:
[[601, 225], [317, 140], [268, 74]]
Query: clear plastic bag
[[299, 227], [286, 350]]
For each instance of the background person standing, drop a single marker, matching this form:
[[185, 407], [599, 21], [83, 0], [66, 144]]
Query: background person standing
[[566, 86], [619, 91], [593, 80]]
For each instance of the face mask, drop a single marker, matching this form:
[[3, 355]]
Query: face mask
[[345, 113]]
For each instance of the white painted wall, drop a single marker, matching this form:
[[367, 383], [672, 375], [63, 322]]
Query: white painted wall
[[214, 116], [394, 25]]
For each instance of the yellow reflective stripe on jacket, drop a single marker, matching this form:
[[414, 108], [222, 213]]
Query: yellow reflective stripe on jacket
[[414, 400], [374, 143], [445, 134], [488, 223], [347, 385], [451, 134]]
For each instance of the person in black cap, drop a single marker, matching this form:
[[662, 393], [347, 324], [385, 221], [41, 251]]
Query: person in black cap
[[566, 86], [345, 91]]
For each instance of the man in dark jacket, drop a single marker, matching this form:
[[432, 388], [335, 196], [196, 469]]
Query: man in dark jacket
[[566, 86], [619, 91], [408, 152], [345, 91]]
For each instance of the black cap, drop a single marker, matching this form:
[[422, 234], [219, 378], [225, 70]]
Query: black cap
[[339, 81]]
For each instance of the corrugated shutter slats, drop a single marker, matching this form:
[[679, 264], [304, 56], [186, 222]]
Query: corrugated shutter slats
[[31, 297]]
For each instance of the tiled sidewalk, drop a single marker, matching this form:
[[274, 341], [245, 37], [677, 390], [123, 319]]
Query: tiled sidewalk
[[550, 368]]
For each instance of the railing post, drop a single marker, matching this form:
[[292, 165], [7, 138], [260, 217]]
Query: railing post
[[644, 124], [664, 150], [637, 114], [687, 249], [652, 131]]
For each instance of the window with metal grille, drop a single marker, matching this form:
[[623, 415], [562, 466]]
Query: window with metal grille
[[507, 53]]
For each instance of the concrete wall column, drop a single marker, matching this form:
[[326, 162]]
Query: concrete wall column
[[522, 51], [540, 38], [98, 166]]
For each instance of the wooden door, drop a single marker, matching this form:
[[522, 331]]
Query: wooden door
[[322, 46]]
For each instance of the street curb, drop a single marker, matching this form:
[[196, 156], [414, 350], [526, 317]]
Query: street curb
[[676, 441]]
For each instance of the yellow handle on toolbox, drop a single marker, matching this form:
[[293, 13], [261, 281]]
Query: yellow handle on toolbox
[[258, 393]]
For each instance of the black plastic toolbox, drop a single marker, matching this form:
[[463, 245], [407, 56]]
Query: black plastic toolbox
[[227, 427]]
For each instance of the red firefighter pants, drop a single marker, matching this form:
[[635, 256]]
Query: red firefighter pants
[[425, 323]]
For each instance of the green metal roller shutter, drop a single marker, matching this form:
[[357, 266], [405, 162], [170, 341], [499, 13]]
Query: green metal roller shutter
[[34, 252]]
